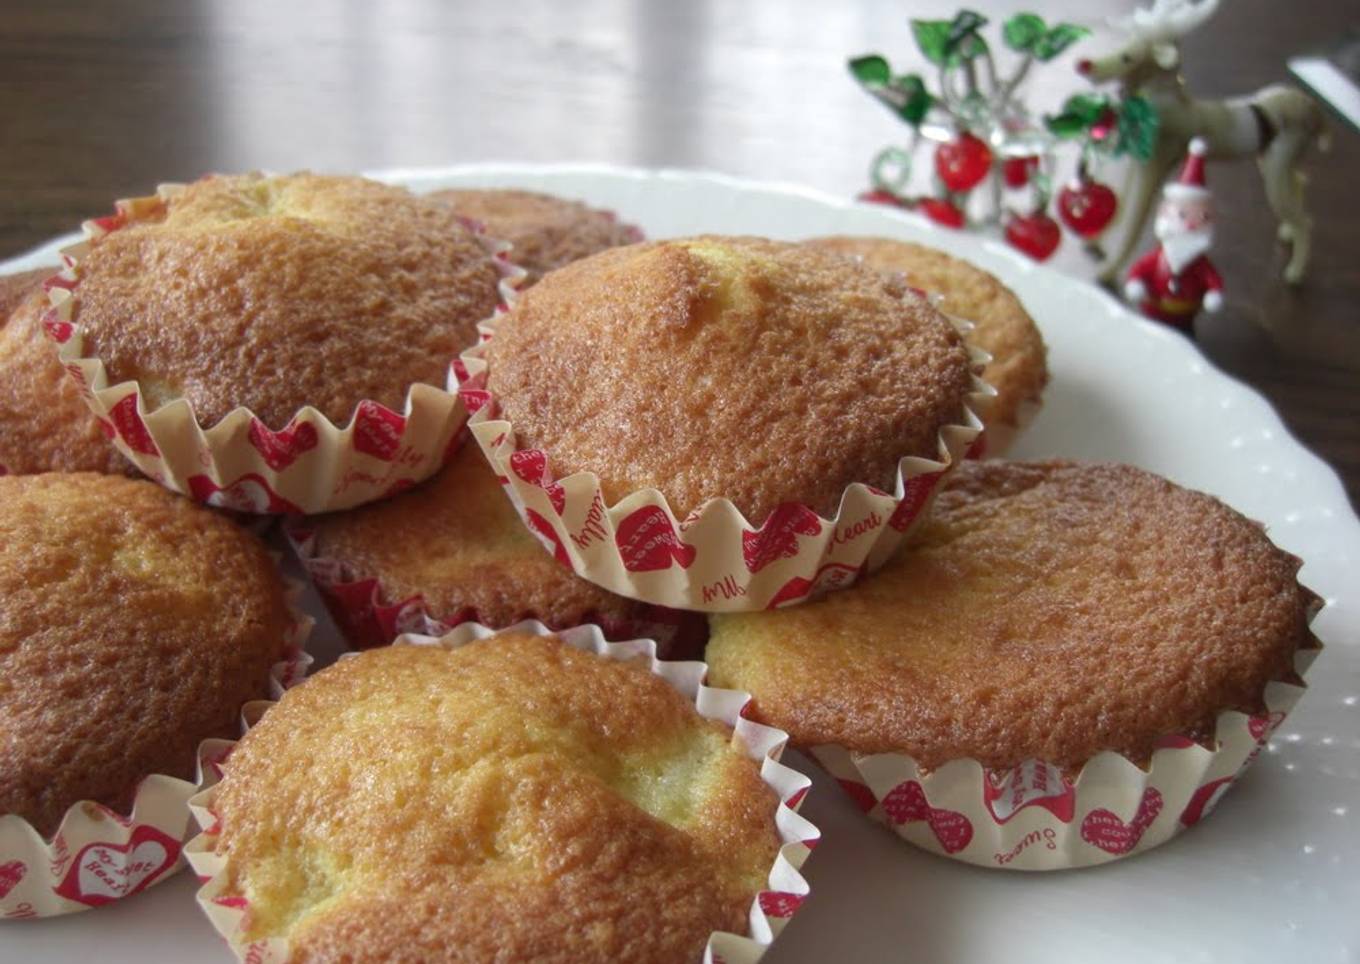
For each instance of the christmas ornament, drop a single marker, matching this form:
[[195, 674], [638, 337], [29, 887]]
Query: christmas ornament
[[985, 141], [962, 164], [1175, 279], [941, 212], [1276, 124], [1036, 234], [1086, 206], [1016, 171]]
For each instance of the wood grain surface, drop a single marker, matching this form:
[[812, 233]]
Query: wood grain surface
[[105, 99]]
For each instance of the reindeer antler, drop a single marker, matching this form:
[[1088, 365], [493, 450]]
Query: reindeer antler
[[1170, 19]]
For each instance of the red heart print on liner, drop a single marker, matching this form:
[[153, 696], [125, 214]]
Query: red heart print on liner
[[10, 875], [779, 903], [778, 537], [131, 427], [858, 792], [377, 431], [281, 449], [1261, 727], [531, 465], [648, 542], [1203, 801], [351, 606], [830, 576], [1033, 783], [104, 872], [1105, 830], [906, 803], [76, 375], [915, 493], [543, 528], [250, 493], [475, 399], [58, 330]]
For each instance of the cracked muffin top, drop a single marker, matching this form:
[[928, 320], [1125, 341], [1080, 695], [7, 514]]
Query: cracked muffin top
[[133, 625], [759, 371], [45, 426], [456, 542], [276, 292], [1004, 329], [513, 798], [1046, 610], [546, 232]]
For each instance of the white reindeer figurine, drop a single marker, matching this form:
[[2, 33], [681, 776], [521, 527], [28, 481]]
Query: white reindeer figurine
[[1275, 125]]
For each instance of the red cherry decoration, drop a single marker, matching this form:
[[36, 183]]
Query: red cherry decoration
[[880, 196], [1016, 171], [962, 164], [1087, 207], [1038, 235], [941, 212]]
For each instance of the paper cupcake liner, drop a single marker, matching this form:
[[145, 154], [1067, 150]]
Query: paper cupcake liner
[[310, 465], [98, 856], [771, 908], [1033, 817], [998, 437], [714, 560], [367, 618]]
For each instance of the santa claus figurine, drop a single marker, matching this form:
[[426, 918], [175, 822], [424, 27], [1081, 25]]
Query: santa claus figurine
[[1174, 280]]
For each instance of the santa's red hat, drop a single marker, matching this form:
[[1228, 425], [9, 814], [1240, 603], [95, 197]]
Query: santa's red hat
[[1190, 184]]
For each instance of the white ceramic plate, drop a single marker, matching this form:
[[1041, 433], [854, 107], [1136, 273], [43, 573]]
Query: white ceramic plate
[[1273, 876]]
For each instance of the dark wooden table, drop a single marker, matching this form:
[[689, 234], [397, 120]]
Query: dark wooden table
[[102, 100]]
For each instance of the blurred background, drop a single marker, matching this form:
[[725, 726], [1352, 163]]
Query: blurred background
[[105, 99]]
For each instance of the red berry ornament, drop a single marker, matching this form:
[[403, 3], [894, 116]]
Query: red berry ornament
[[962, 164], [879, 196], [941, 212], [1016, 171], [1038, 235], [1087, 207]]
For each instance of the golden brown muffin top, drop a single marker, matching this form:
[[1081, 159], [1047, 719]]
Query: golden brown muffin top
[[456, 541], [133, 625], [1046, 610], [15, 288], [1005, 330], [755, 370], [280, 292], [45, 426], [546, 231], [511, 799]]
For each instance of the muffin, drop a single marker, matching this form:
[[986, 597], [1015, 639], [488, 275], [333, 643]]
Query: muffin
[[133, 626], [136, 625], [45, 426], [763, 392], [452, 550], [1046, 616], [16, 287], [512, 798], [228, 327], [545, 232], [1003, 329]]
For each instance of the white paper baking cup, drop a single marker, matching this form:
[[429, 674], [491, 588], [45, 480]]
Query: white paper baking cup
[[1033, 817], [771, 908], [714, 560], [998, 437], [98, 856], [366, 617], [310, 465]]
